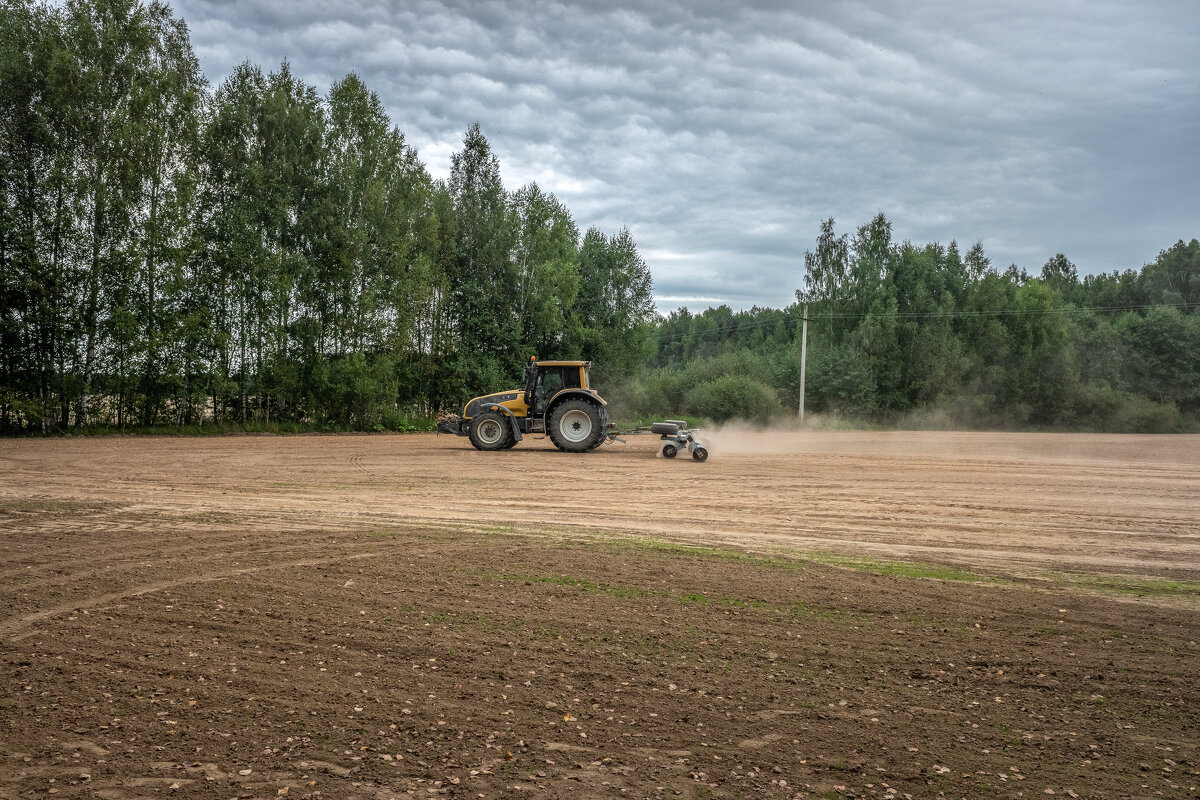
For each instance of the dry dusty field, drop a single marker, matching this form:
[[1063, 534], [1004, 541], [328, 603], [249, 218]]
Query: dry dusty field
[[807, 614]]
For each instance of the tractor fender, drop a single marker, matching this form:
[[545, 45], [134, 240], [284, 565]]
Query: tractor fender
[[507, 412], [567, 394]]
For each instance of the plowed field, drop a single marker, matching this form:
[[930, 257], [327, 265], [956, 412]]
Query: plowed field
[[806, 614]]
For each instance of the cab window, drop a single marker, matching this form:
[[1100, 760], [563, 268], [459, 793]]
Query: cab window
[[551, 380]]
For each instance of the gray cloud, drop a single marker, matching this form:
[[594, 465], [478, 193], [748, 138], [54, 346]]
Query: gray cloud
[[721, 134]]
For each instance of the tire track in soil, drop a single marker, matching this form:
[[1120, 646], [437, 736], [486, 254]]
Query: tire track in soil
[[95, 535], [11, 624]]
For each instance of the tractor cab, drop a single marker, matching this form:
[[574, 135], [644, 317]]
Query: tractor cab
[[546, 379]]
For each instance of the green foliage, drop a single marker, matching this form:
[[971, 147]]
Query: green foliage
[[547, 253], [614, 308], [842, 381], [483, 280], [1163, 347], [733, 385], [262, 255], [733, 397], [352, 389], [923, 336], [1103, 408]]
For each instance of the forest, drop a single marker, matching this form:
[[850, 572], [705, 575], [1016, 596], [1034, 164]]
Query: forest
[[265, 256], [929, 336]]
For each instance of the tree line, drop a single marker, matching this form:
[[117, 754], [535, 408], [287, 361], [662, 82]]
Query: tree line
[[259, 253], [927, 334], [174, 254]]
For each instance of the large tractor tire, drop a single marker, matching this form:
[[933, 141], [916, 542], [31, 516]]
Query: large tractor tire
[[575, 426], [490, 431]]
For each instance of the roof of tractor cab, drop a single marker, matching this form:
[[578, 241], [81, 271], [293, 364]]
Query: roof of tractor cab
[[564, 363]]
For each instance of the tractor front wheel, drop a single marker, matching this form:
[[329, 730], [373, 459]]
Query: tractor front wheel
[[489, 431], [575, 426]]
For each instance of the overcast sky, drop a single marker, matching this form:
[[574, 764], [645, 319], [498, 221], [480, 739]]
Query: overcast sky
[[721, 133]]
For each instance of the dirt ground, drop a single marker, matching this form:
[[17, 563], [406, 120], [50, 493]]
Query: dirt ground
[[807, 614]]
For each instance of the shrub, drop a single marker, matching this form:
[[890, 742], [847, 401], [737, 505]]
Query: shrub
[[733, 397]]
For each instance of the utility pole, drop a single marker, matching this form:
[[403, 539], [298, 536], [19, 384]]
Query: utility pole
[[803, 359]]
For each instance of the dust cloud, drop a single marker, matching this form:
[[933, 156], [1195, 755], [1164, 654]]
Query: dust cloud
[[742, 438], [739, 438]]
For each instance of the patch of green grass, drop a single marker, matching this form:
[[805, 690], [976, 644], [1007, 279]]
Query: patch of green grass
[[1145, 587], [699, 551], [687, 598], [585, 585], [899, 569], [582, 584], [40, 505], [800, 609], [783, 558], [381, 534]]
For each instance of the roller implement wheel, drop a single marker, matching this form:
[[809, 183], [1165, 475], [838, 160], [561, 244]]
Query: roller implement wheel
[[574, 426], [665, 428], [700, 454], [489, 431], [669, 450]]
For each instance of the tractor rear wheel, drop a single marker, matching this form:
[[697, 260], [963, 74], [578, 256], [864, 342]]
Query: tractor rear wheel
[[489, 431], [575, 426]]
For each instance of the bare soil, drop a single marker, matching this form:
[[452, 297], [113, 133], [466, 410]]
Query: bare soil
[[807, 614]]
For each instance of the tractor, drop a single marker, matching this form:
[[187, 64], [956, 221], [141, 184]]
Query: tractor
[[557, 401]]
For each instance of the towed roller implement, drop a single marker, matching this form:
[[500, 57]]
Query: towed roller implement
[[675, 437]]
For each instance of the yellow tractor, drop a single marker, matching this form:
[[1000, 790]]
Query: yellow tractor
[[557, 401]]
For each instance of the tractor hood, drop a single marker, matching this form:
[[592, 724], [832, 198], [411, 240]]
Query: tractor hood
[[475, 405]]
